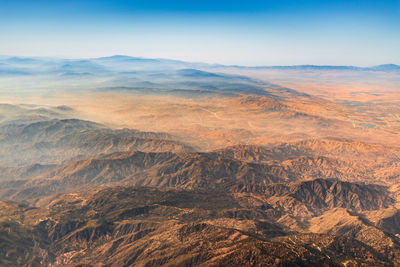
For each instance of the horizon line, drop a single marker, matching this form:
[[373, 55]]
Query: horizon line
[[198, 62]]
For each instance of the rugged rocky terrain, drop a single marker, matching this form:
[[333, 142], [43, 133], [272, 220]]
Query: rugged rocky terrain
[[123, 226], [164, 163], [93, 200], [235, 169]]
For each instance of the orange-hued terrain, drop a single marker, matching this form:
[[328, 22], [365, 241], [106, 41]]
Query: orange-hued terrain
[[124, 161]]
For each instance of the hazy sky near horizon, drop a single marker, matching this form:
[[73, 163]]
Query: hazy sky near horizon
[[263, 32]]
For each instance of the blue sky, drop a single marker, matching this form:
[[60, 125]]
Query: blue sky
[[269, 32]]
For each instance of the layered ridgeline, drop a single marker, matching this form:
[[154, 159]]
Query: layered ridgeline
[[125, 74], [240, 168], [49, 139]]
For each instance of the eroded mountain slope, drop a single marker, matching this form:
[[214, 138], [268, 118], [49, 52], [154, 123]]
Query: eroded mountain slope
[[125, 226]]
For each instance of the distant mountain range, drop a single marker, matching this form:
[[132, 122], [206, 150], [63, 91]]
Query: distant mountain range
[[119, 63]]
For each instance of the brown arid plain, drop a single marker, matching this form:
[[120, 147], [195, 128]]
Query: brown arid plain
[[215, 122]]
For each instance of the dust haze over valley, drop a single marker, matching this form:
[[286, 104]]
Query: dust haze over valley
[[213, 106], [124, 161]]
